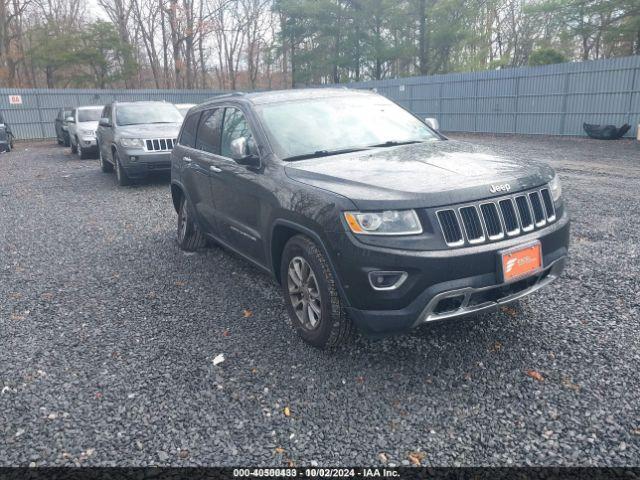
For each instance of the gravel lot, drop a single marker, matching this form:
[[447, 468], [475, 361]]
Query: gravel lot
[[108, 331]]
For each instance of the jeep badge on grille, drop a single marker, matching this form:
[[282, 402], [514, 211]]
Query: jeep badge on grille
[[504, 187]]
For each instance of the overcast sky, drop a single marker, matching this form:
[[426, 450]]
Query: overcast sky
[[95, 10]]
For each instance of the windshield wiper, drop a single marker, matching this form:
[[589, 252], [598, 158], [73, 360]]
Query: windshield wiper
[[394, 143], [324, 153]]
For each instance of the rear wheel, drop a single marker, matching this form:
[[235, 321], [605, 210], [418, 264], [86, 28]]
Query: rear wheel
[[121, 174], [311, 297], [189, 236]]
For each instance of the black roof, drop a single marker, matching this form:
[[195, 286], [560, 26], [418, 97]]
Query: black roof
[[276, 96]]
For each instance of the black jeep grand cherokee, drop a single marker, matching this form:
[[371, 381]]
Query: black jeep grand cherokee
[[364, 215]]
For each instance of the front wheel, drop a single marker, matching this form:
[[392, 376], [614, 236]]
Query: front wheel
[[311, 296], [189, 236]]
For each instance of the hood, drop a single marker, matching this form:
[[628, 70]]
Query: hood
[[152, 130], [420, 175], [88, 125]]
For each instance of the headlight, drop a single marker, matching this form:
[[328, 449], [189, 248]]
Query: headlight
[[131, 142], [388, 222], [556, 188]]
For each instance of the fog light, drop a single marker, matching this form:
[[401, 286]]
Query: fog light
[[133, 158], [387, 280]]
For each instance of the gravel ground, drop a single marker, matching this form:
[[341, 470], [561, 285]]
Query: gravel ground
[[108, 331]]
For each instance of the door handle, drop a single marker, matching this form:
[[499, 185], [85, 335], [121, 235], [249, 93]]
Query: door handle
[[213, 168], [186, 159]]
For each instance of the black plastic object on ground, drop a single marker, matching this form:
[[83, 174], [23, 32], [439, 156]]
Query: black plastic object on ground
[[6, 140], [605, 132]]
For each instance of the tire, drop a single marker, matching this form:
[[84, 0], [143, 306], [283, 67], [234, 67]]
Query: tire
[[330, 329], [82, 153], [188, 234], [121, 174], [105, 166], [74, 148]]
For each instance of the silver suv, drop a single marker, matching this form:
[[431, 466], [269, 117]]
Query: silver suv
[[81, 127], [136, 138]]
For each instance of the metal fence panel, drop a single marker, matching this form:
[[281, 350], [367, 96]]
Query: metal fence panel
[[551, 100], [34, 118]]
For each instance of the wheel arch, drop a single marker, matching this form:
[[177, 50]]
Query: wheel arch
[[281, 232], [177, 193]]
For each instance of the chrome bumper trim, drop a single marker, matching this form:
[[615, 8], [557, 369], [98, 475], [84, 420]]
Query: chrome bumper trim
[[428, 315]]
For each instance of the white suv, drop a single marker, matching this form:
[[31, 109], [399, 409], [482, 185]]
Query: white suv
[[82, 126]]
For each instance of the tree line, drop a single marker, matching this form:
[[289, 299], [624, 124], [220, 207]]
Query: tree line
[[254, 44]]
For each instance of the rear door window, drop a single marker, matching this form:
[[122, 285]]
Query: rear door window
[[208, 138], [189, 129]]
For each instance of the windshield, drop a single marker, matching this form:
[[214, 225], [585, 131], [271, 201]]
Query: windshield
[[321, 126], [145, 113], [89, 114]]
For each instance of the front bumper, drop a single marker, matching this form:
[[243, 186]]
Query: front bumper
[[443, 284], [139, 163], [89, 144]]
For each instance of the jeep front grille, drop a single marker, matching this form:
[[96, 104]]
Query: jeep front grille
[[493, 220], [472, 224], [524, 212], [509, 216], [159, 144], [450, 227], [548, 205]]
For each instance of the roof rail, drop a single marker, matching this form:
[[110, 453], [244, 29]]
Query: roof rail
[[227, 95]]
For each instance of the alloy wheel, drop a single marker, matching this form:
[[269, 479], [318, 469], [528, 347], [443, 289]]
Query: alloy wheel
[[304, 293], [182, 220]]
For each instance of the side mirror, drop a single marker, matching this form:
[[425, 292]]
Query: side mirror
[[243, 152], [433, 123], [70, 120], [104, 122]]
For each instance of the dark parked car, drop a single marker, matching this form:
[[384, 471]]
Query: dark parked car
[[6, 135], [136, 138], [362, 213], [62, 134]]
